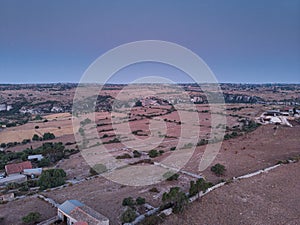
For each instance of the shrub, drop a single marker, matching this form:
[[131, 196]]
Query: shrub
[[136, 154], [202, 142], [170, 176], [128, 202], [153, 153], [124, 156], [35, 137], [154, 189], [172, 148], [3, 145], [153, 219], [98, 169], [36, 127], [140, 201], [128, 216], [31, 217], [218, 169]]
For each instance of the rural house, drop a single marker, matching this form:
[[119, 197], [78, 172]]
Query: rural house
[[74, 212], [17, 168]]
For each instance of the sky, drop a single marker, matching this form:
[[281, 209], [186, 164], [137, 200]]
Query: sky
[[242, 41]]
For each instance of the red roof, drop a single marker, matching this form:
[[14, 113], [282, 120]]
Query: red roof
[[81, 223], [17, 167]]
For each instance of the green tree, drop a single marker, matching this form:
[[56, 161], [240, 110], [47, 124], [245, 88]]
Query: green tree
[[218, 169], [31, 217], [52, 178]]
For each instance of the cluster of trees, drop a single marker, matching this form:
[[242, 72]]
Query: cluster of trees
[[12, 144], [52, 153], [46, 136], [52, 178]]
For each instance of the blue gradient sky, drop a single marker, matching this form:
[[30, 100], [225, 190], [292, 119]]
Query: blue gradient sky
[[242, 41]]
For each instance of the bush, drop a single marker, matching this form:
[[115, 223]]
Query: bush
[[36, 127], [172, 148], [154, 189], [136, 154], [128, 216], [44, 162], [140, 201], [202, 142], [31, 217], [3, 145], [128, 202], [218, 169], [98, 169], [35, 137], [170, 176], [25, 141], [151, 220], [124, 156], [153, 153]]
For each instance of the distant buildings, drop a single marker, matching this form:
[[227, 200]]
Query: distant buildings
[[278, 117], [76, 213], [5, 107]]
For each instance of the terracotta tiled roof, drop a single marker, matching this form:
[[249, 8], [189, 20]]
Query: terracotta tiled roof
[[17, 167], [81, 223], [88, 215], [82, 213]]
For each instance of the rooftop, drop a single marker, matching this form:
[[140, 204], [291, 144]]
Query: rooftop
[[17, 167], [81, 212]]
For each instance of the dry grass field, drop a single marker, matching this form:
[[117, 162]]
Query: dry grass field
[[58, 124]]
